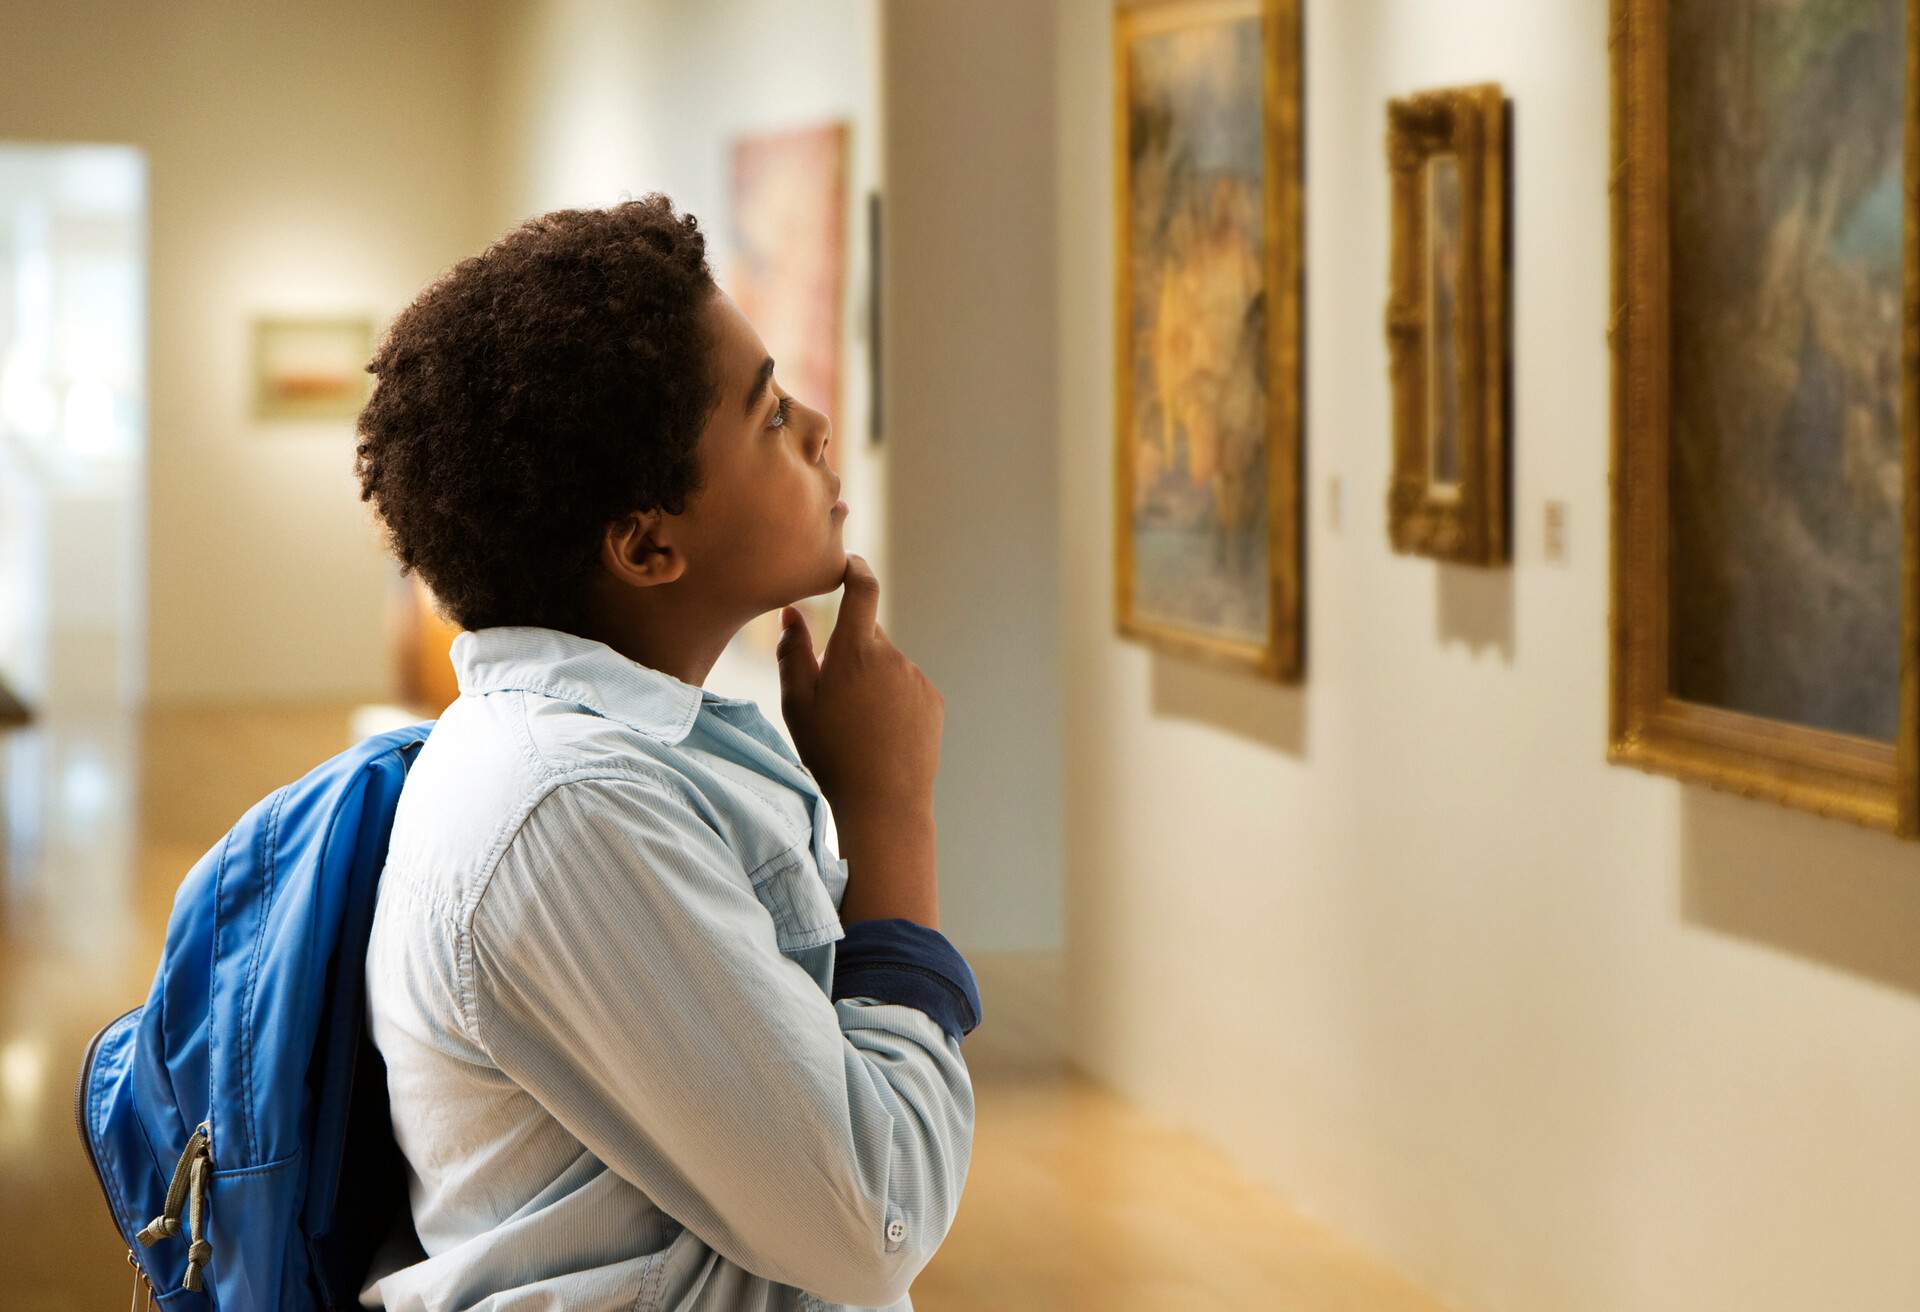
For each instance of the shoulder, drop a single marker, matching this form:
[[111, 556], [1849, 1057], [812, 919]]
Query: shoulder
[[562, 736], [481, 788], [586, 835]]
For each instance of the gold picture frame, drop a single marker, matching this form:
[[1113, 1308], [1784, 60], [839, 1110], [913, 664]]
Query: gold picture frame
[[1446, 324], [1269, 644], [1867, 780]]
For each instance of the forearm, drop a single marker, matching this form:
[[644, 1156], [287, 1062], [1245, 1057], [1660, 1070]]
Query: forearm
[[890, 865]]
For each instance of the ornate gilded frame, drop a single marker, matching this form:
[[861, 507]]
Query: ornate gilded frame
[[1282, 655], [1464, 521], [1862, 780]]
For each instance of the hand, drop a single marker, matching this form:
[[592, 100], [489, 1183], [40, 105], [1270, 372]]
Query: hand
[[865, 720]]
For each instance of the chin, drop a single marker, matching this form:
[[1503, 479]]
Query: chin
[[826, 578], [837, 564]]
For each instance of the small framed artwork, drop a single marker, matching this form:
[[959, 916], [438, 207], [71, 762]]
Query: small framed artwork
[[1208, 331], [1766, 400], [1447, 324], [311, 368]]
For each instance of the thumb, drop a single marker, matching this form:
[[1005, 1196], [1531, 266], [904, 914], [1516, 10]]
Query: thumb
[[799, 667]]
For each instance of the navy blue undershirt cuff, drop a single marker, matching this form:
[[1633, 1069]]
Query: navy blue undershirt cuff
[[900, 960]]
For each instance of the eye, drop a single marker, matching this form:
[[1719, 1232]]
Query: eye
[[781, 413]]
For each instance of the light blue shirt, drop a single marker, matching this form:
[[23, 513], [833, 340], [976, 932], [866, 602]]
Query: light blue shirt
[[601, 977]]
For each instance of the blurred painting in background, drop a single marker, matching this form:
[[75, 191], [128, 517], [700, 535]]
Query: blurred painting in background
[[786, 270], [1786, 131], [1208, 286], [1447, 294], [311, 368]]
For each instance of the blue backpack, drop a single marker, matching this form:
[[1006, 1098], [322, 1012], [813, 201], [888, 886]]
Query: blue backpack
[[238, 1120]]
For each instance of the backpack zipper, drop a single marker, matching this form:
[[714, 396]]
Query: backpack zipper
[[86, 1139]]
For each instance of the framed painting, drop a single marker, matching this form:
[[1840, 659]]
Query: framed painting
[[1447, 324], [1766, 442], [1207, 381], [313, 368]]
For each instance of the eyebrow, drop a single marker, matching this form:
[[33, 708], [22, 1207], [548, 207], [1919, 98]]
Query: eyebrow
[[759, 388]]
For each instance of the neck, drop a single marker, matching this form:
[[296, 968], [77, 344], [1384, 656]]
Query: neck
[[663, 634]]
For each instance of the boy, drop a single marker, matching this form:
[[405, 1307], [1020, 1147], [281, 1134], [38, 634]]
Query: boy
[[649, 1042]]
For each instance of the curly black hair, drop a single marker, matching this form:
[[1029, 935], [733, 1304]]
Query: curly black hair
[[533, 394]]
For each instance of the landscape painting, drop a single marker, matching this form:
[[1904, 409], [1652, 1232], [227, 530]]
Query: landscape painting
[[1787, 147], [311, 368], [1207, 393], [1770, 446]]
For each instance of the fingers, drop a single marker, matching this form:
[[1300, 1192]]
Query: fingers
[[799, 667], [860, 603]]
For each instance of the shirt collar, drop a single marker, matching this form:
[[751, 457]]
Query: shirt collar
[[581, 670]]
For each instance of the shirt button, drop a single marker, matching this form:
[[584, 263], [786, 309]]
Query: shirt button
[[896, 1230]]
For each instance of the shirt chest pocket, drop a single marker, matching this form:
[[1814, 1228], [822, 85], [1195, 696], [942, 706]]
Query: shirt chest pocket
[[790, 887], [774, 835]]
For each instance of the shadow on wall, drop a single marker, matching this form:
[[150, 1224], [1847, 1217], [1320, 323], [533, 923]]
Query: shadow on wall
[[1823, 890], [1262, 712], [1475, 606]]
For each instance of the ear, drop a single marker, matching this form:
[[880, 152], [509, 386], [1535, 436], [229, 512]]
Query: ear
[[638, 551]]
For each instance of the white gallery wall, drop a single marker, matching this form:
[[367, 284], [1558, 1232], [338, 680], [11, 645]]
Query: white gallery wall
[[301, 160], [971, 387], [1540, 1032]]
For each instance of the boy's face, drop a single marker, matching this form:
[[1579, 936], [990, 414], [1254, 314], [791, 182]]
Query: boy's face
[[764, 529]]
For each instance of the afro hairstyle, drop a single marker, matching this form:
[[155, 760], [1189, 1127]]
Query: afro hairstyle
[[532, 395]]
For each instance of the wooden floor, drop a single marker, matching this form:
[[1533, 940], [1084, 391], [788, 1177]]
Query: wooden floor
[[1074, 1200]]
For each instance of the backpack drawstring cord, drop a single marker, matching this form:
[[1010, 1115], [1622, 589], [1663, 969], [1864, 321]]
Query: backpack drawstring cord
[[186, 1191], [199, 1250]]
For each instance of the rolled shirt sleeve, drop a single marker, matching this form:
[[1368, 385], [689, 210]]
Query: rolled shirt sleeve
[[620, 969], [902, 961]]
